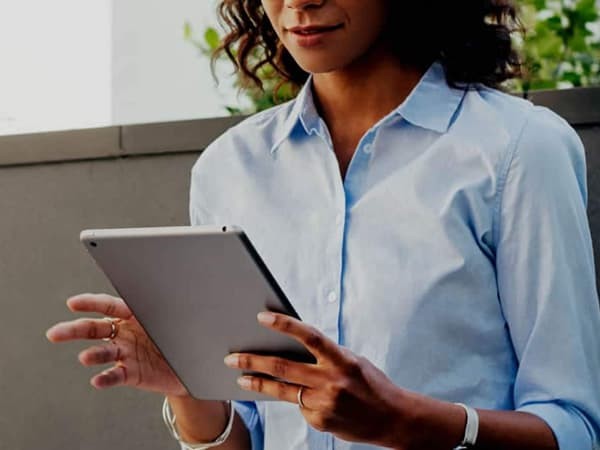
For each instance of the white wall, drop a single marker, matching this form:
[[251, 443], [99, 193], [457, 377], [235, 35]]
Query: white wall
[[157, 75], [70, 64], [55, 70]]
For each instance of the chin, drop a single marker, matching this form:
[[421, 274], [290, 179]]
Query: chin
[[318, 65]]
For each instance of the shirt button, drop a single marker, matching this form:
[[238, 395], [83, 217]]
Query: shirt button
[[338, 219], [368, 148], [332, 297]]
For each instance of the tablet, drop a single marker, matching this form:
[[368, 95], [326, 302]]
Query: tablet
[[196, 291]]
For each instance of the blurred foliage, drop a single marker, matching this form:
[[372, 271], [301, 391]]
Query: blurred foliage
[[561, 46], [561, 49], [275, 90]]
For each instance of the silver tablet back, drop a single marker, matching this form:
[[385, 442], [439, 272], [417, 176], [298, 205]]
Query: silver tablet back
[[196, 291]]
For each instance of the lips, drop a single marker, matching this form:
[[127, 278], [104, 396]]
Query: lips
[[313, 36], [313, 29]]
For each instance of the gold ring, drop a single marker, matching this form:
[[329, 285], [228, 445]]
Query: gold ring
[[114, 329], [299, 397]]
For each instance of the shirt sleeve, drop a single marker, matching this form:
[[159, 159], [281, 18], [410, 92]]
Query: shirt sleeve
[[249, 414], [546, 280], [248, 411]]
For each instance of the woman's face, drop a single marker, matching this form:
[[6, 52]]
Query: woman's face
[[327, 35]]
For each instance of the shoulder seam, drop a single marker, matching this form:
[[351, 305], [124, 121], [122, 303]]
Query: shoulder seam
[[503, 176]]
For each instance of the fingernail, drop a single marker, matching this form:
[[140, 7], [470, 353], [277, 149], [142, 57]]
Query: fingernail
[[52, 334], [244, 382], [231, 360], [266, 317]]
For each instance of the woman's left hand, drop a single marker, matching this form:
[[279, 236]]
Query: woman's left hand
[[342, 393]]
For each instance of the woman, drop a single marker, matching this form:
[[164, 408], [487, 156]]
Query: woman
[[429, 228]]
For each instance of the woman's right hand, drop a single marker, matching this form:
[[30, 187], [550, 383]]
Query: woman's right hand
[[136, 360]]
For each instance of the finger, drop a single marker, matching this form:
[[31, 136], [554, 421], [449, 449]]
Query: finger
[[100, 303], [315, 341], [277, 389], [84, 328], [284, 369], [115, 376], [101, 354]]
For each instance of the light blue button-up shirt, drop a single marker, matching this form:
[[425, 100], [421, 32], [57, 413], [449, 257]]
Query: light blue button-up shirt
[[455, 254]]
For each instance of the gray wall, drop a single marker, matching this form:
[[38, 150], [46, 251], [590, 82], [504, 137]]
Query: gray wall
[[52, 185], [45, 393], [46, 399]]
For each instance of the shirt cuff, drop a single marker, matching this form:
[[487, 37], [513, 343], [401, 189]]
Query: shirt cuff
[[249, 414], [570, 429]]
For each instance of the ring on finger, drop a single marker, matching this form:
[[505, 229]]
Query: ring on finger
[[299, 397], [114, 328]]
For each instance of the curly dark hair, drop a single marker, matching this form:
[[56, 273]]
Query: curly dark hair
[[472, 40]]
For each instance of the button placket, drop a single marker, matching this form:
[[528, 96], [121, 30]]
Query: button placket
[[331, 295]]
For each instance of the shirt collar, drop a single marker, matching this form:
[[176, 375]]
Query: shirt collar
[[303, 111], [431, 104]]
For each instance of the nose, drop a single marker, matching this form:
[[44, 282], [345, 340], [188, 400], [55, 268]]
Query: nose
[[303, 4]]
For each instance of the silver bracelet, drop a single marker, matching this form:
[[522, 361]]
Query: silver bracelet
[[471, 428], [169, 419]]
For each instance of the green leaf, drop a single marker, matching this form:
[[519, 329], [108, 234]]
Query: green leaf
[[553, 23], [187, 31], [543, 84], [547, 43], [212, 38], [233, 111], [577, 42], [586, 10], [573, 77]]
